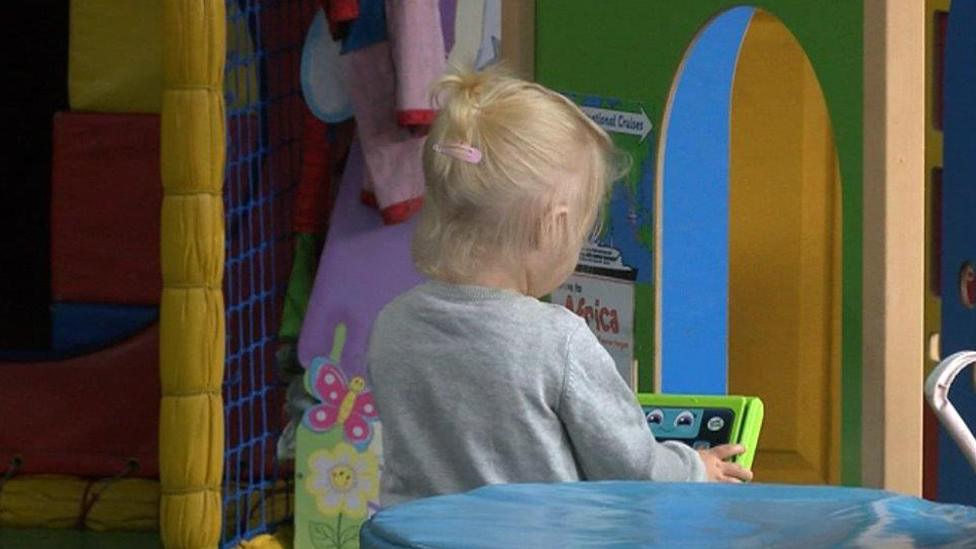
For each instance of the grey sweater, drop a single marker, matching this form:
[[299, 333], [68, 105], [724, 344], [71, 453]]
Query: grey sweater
[[478, 386]]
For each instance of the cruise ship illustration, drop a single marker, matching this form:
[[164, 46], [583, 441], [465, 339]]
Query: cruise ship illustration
[[604, 261]]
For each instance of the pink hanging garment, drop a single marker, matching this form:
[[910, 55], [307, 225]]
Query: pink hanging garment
[[392, 152], [418, 55], [389, 72], [368, 195]]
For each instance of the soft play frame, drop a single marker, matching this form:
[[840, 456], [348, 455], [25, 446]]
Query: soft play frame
[[89, 405], [193, 163], [122, 154]]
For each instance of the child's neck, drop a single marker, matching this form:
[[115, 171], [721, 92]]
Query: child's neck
[[502, 279]]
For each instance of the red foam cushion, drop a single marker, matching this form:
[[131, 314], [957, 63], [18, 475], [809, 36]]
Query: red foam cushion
[[84, 416], [105, 208]]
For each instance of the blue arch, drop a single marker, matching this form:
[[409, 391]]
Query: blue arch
[[694, 210]]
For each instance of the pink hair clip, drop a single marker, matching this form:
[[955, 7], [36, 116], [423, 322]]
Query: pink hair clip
[[461, 151]]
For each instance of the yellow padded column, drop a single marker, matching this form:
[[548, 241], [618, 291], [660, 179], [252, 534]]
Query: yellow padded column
[[191, 422]]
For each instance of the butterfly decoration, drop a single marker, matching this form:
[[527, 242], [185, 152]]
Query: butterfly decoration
[[347, 404]]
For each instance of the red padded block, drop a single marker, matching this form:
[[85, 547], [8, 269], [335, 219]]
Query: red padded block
[[85, 416], [105, 208]]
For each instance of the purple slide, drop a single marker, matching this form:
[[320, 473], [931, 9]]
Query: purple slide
[[364, 265]]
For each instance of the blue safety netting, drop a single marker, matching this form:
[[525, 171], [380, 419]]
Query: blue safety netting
[[264, 115]]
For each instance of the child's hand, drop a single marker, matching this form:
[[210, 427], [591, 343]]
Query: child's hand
[[719, 470]]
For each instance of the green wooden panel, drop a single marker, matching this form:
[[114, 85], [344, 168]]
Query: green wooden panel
[[631, 50]]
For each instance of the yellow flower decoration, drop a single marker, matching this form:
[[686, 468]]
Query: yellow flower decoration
[[342, 480]]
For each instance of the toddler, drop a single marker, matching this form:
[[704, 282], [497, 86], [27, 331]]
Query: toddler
[[477, 381]]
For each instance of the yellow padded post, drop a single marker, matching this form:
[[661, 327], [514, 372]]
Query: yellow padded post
[[191, 423]]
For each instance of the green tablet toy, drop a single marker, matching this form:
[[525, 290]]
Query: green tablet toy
[[706, 421]]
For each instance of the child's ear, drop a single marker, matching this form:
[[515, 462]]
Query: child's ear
[[552, 228]]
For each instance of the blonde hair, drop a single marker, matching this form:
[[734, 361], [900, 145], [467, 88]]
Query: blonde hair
[[539, 152]]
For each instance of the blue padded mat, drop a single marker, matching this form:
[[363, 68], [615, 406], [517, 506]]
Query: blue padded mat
[[81, 328], [647, 514]]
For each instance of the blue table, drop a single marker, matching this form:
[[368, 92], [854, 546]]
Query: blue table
[[647, 514]]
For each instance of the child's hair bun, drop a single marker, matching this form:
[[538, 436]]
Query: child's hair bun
[[462, 94], [464, 86]]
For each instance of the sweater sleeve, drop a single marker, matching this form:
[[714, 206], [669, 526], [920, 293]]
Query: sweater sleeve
[[606, 426]]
